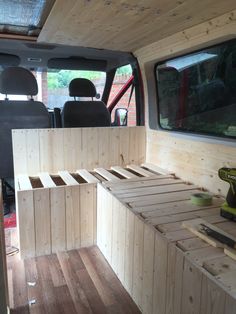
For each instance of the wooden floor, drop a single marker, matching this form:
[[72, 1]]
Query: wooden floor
[[78, 281]]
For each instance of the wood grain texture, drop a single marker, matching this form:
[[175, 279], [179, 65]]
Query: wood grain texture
[[57, 218], [219, 28], [165, 269], [194, 161], [78, 281], [126, 26], [72, 149]]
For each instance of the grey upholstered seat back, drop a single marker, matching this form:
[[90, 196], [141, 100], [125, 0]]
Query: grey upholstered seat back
[[84, 113], [28, 114]]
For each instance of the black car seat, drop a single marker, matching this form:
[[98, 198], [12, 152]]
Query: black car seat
[[18, 114], [84, 113]]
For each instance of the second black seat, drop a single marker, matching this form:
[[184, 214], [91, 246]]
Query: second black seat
[[89, 113]]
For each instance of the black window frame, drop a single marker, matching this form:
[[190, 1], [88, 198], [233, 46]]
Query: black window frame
[[186, 132]]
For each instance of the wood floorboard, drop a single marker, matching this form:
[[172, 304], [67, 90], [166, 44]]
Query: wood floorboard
[[78, 281]]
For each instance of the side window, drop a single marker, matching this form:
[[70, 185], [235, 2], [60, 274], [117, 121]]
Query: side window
[[196, 92], [122, 77]]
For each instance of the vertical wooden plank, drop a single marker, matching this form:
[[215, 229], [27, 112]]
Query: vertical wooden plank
[[72, 217], [92, 159], [19, 151], [118, 238], [100, 229], [179, 266], [141, 137], [69, 151], [75, 138], [124, 146], [4, 299], [121, 241], [115, 234], [45, 150], [86, 214], [170, 278], [129, 252], [230, 305], [42, 222], [104, 222], [114, 143], [94, 188], [191, 292], [26, 222], [57, 149], [160, 273], [58, 219], [148, 268], [83, 153], [104, 147], [133, 145], [32, 142], [108, 224], [212, 297], [138, 261]]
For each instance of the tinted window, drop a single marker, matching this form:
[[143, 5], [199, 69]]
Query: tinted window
[[197, 92]]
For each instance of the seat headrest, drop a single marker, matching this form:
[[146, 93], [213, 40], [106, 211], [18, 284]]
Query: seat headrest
[[80, 87], [18, 81]]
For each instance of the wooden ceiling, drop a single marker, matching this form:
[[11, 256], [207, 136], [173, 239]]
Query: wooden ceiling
[[125, 25]]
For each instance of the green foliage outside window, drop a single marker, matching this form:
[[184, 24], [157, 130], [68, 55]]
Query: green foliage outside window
[[63, 78]]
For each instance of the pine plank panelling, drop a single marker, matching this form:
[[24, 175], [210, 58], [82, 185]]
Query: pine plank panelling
[[125, 26], [54, 150], [165, 268], [56, 218], [194, 161]]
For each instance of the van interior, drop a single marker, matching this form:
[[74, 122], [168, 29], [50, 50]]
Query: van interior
[[118, 157]]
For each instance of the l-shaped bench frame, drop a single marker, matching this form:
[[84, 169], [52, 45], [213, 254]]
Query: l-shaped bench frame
[[161, 268]]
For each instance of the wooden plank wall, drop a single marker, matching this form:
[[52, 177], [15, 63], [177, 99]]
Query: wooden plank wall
[[125, 25], [54, 150], [160, 277], [56, 219], [191, 159], [3, 268], [214, 30]]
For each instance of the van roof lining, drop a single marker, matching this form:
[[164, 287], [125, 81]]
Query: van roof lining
[[64, 57]]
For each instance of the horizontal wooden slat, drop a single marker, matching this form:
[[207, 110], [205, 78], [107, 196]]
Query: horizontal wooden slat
[[168, 193], [67, 178], [140, 170], [125, 173], [24, 182], [46, 180], [154, 190], [156, 169], [132, 186], [176, 207], [137, 180], [106, 174], [87, 176], [144, 201]]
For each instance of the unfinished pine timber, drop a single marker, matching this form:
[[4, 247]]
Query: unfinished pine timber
[[59, 212], [191, 158], [55, 213], [165, 268], [148, 22], [53, 150]]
